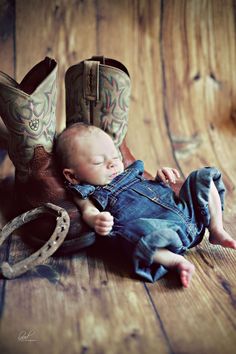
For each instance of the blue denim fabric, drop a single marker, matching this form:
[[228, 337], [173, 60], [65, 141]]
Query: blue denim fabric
[[148, 215]]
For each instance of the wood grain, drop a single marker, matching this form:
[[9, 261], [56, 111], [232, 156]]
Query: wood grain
[[63, 30], [80, 304], [200, 90], [199, 109], [6, 58], [181, 56]]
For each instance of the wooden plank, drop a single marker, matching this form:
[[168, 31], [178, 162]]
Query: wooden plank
[[200, 93], [202, 87], [63, 30], [198, 82], [201, 319], [81, 303], [6, 61], [7, 10], [89, 303]]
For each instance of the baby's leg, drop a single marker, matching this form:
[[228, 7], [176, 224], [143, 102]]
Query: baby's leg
[[175, 261], [218, 236]]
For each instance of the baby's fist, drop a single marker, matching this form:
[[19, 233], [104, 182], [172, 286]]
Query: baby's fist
[[103, 223]]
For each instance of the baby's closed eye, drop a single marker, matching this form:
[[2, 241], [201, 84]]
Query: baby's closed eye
[[97, 163], [97, 160]]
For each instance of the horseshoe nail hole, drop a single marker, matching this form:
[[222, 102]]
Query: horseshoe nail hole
[[64, 220], [49, 246], [57, 238]]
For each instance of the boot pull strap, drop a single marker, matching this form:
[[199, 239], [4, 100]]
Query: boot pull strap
[[56, 239], [99, 58], [91, 80]]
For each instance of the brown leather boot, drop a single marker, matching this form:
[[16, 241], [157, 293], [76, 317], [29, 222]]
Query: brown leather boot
[[28, 111]]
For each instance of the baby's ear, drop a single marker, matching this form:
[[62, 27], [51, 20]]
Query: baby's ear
[[70, 176]]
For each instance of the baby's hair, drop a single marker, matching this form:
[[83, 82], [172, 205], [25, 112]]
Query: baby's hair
[[63, 141]]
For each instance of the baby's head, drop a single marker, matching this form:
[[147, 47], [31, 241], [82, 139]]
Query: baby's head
[[87, 154]]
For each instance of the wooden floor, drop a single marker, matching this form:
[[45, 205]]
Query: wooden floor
[[182, 58]]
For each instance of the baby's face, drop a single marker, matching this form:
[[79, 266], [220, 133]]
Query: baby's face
[[95, 159]]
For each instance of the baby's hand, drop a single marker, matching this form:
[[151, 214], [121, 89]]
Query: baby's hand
[[103, 223], [167, 174]]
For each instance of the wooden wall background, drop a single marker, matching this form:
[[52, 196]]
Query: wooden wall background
[[181, 55]]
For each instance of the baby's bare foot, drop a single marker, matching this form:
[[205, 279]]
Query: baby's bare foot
[[186, 270], [222, 238]]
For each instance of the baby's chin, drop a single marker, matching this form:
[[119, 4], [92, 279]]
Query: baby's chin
[[106, 180], [101, 183], [114, 175]]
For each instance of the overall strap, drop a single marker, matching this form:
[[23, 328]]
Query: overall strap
[[127, 178]]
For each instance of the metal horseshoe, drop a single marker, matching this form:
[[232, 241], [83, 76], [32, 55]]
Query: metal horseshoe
[[56, 239]]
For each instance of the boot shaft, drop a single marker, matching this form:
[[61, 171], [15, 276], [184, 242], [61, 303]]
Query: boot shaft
[[28, 111], [98, 93]]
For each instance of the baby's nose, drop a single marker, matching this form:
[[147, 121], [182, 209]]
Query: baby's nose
[[111, 164]]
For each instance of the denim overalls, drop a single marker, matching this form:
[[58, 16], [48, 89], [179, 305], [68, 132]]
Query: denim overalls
[[148, 214]]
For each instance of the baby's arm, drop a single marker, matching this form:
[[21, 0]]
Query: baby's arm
[[100, 221]]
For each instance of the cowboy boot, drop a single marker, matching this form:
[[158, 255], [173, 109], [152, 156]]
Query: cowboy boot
[[98, 93], [28, 111], [4, 135], [29, 115]]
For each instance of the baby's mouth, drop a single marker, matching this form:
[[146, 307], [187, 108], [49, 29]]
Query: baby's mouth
[[113, 175]]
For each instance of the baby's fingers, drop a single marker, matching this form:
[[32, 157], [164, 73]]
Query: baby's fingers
[[104, 223], [160, 175], [105, 216], [176, 172], [103, 230], [170, 174], [165, 175]]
